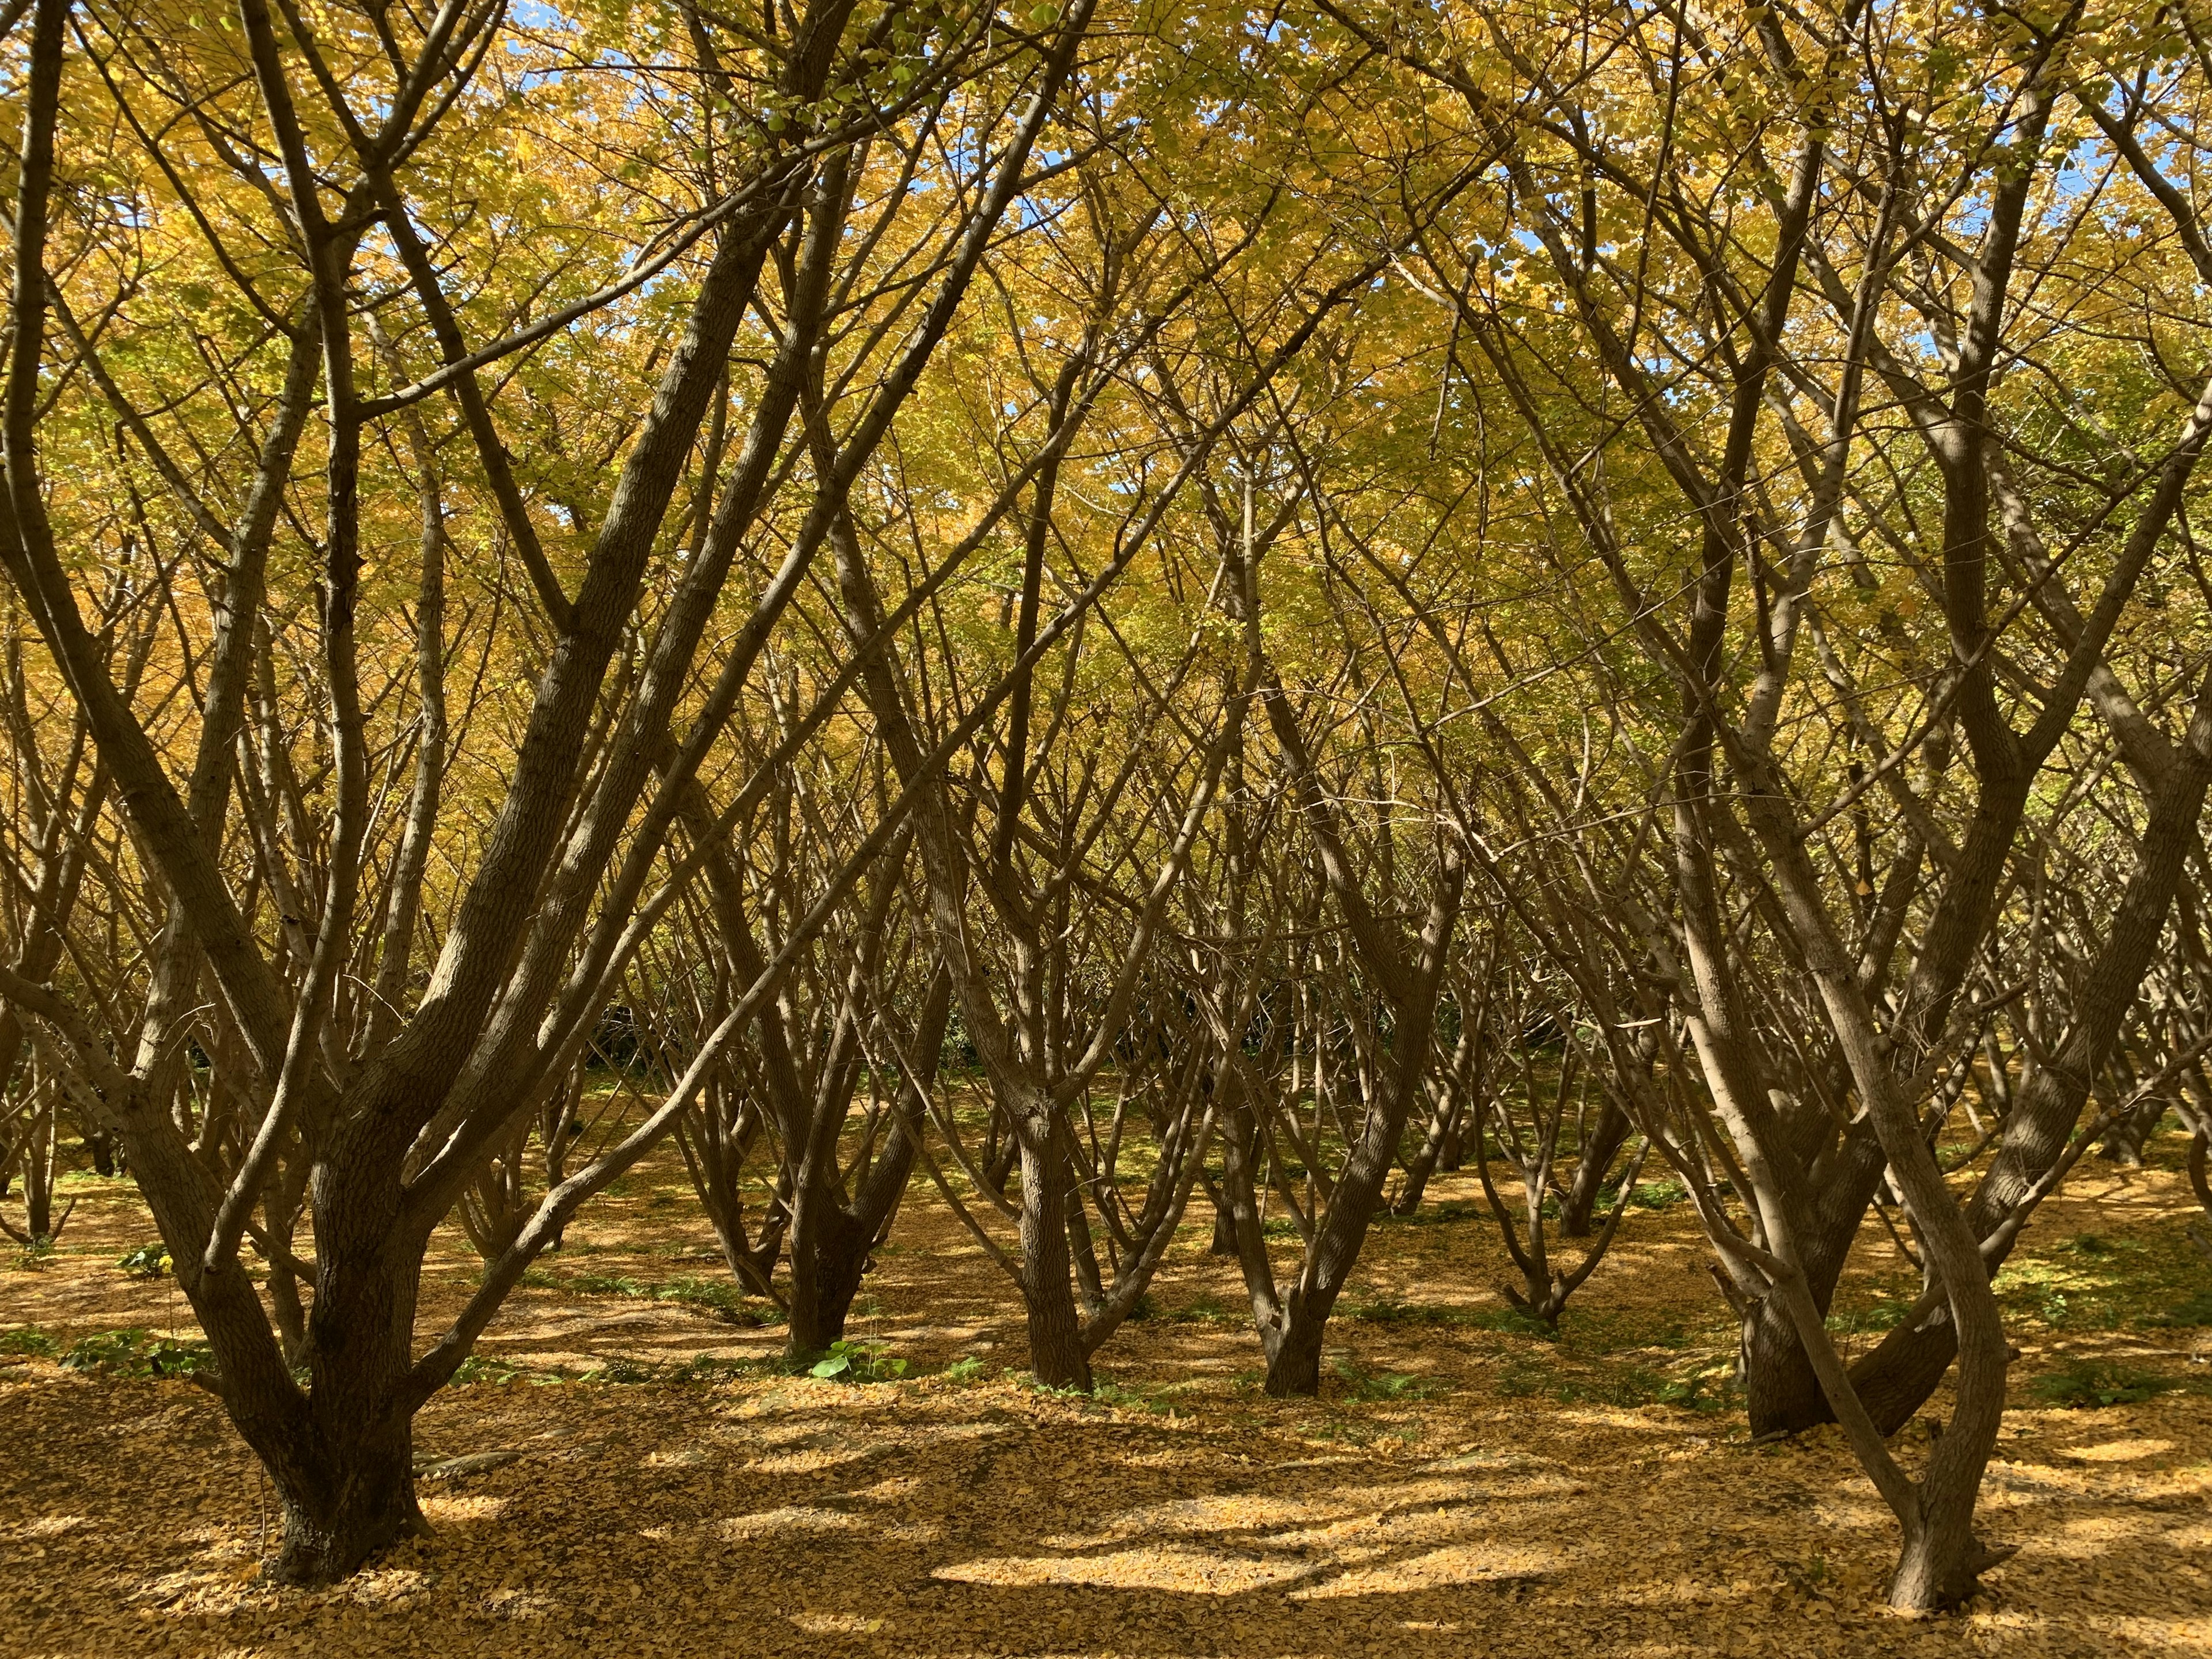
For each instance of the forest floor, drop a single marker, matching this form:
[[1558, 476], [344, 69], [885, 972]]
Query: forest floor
[[635, 1476]]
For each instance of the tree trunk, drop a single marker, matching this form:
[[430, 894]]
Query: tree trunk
[[829, 1249], [1451, 1157], [1781, 1394], [1294, 1358], [38, 1171], [342, 1456], [1941, 1563], [1595, 1158], [1224, 1232], [840, 1261], [2123, 1142], [1441, 1131], [1057, 1358], [352, 1498], [822, 1251], [841, 1255], [339, 1452], [832, 1240]]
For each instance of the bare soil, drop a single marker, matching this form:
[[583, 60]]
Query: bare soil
[[630, 1474]]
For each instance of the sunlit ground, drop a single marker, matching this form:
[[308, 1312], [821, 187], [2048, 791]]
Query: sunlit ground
[[631, 1477]]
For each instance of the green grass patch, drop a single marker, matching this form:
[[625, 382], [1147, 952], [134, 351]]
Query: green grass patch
[[2091, 1385], [2197, 1310], [1105, 1391], [622, 1371], [718, 1295], [1204, 1308], [704, 1371], [36, 1255], [1510, 1320], [1383, 1308], [1384, 1388], [1706, 1388], [1884, 1315], [1436, 1215], [2095, 1281], [479, 1367]]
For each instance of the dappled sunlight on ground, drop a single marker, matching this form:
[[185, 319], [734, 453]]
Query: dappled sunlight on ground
[[1465, 1486], [941, 1519]]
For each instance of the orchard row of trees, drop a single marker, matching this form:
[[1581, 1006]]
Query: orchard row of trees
[[1236, 573]]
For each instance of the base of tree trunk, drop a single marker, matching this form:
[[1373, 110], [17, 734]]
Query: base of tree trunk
[[1781, 1394], [1451, 1157], [1058, 1358], [1058, 1362], [1294, 1367], [2123, 1142], [822, 1298], [329, 1536], [1940, 1567]]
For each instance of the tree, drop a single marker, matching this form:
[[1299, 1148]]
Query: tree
[[387, 1109]]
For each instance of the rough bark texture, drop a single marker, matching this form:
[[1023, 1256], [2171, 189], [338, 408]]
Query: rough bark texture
[[1057, 1357], [1607, 1137]]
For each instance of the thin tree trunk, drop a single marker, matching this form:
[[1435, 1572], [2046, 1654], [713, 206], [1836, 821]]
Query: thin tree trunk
[[1057, 1357]]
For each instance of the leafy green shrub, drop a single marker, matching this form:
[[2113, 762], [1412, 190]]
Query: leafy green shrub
[[1881, 1317], [136, 1353], [28, 1342], [719, 1294], [147, 1262], [722, 1296], [966, 1368], [1107, 1392], [855, 1362], [1708, 1388], [601, 1284], [1711, 1389]]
